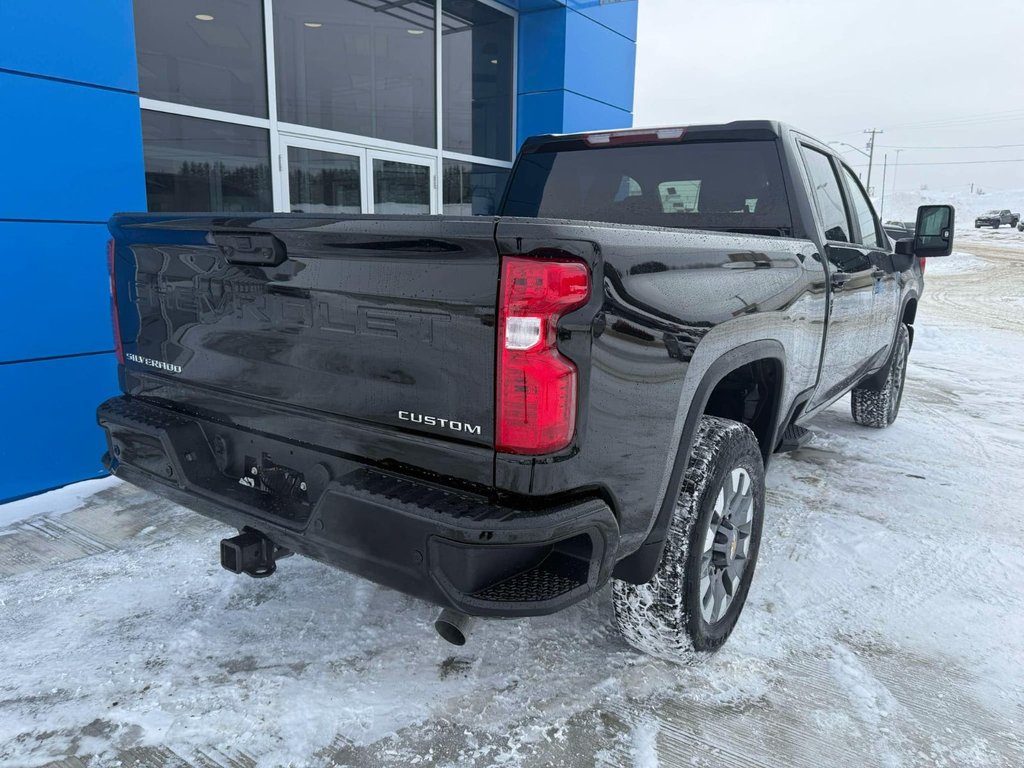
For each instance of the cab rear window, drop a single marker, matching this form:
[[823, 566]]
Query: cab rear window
[[720, 185]]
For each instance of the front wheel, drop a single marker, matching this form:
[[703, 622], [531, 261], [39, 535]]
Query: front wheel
[[879, 407], [690, 606]]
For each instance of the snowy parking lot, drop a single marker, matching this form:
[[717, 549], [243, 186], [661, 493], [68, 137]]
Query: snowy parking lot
[[885, 625]]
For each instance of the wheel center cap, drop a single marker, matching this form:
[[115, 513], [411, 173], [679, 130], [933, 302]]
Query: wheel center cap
[[727, 549]]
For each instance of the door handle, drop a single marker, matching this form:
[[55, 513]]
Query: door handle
[[879, 274], [258, 248], [839, 279]]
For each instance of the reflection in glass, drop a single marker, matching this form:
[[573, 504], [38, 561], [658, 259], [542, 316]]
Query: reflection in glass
[[471, 189], [477, 79], [203, 53], [323, 182], [862, 210], [831, 208], [205, 165], [400, 188], [364, 67]]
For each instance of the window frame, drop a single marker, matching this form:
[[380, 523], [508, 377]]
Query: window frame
[[880, 235], [283, 133], [843, 193]]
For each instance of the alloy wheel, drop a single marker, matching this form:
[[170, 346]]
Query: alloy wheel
[[726, 545]]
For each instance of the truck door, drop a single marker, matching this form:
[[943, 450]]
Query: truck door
[[868, 235], [850, 333]]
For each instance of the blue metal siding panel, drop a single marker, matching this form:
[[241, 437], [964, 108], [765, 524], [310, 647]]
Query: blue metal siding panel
[[619, 16], [88, 42], [55, 290], [576, 68], [540, 113], [527, 6], [599, 63], [542, 51], [74, 153], [50, 436], [583, 114]]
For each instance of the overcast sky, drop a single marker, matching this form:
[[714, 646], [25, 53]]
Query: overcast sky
[[930, 73]]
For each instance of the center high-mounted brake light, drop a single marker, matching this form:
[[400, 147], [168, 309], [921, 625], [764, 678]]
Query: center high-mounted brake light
[[637, 136], [536, 390], [115, 319]]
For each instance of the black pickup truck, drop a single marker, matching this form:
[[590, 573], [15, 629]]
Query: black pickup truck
[[501, 415]]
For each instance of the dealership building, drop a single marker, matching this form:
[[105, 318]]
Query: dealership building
[[319, 106]]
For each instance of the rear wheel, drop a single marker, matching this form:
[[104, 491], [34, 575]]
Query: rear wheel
[[690, 606], [879, 407]]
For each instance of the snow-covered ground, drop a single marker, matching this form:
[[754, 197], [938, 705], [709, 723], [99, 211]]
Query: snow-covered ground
[[885, 625], [902, 206]]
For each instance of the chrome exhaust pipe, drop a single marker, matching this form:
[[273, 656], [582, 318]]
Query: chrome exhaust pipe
[[454, 626]]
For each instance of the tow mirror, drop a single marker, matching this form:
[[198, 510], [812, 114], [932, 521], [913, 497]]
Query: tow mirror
[[934, 233]]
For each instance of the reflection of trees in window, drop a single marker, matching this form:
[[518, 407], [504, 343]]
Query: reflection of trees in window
[[329, 186], [210, 186], [471, 189]]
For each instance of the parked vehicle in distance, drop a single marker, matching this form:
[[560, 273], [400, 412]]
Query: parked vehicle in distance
[[899, 230], [1020, 226], [996, 218], [500, 415]]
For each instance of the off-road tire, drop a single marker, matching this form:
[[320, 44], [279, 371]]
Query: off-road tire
[[663, 617], [879, 408]]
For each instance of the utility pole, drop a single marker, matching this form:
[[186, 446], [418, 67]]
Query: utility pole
[[896, 170], [871, 149], [885, 167]]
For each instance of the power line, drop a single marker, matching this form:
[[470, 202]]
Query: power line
[[1012, 114], [977, 146], [956, 162], [956, 122]]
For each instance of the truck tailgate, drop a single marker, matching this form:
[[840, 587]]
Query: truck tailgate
[[385, 321]]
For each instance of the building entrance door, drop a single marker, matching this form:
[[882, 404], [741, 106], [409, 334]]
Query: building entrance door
[[330, 177]]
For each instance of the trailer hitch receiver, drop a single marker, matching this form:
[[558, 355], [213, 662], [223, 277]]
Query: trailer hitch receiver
[[251, 553]]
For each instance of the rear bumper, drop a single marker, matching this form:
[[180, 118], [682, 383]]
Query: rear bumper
[[447, 546]]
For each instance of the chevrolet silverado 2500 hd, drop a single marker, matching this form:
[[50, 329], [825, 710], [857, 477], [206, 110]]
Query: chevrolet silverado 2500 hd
[[501, 415]]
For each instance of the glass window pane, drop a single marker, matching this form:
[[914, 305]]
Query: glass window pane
[[827, 192], [402, 188], [471, 189], [477, 79], [364, 67], [203, 53], [323, 182], [205, 165], [862, 209]]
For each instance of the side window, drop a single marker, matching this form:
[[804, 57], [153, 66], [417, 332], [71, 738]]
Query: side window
[[827, 193], [862, 210]]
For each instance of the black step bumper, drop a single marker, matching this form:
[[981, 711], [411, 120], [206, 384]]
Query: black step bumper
[[448, 546]]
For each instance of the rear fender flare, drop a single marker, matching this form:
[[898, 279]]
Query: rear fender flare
[[640, 566]]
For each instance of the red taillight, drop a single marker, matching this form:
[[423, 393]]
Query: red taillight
[[922, 262], [116, 321], [536, 388]]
